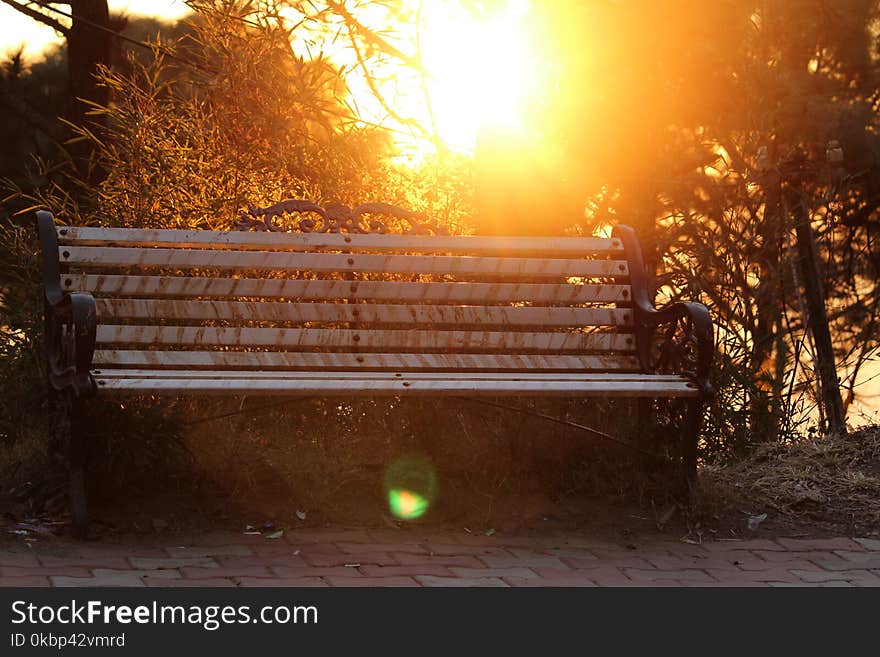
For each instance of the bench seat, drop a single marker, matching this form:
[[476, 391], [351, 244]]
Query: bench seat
[[226, 382]]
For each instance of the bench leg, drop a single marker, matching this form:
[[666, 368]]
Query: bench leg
[[68, 433], [77, 460], [693, 422]]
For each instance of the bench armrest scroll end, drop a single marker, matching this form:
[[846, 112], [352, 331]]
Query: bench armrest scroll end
[[688, 344], [71, 331], [71, 319]]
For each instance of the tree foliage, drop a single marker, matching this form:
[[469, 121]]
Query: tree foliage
[[712, 127]]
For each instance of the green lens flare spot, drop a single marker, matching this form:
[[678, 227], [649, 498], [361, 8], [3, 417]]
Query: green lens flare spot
[[407, 505], [410, 487]]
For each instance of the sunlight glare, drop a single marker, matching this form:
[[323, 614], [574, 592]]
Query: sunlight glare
[[480, 69]]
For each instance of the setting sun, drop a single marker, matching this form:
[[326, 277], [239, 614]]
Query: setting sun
[[476, 68], [480, 70]]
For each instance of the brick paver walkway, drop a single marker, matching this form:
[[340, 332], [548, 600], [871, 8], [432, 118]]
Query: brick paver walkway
[[412, 558]]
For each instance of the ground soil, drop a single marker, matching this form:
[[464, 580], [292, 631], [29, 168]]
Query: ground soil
[[823, 487]]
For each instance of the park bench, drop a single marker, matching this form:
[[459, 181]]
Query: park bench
[[300, 300]]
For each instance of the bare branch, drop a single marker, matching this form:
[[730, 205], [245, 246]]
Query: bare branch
[[371, 37], [38, 16]]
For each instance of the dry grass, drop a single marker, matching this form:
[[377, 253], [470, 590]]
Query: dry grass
[[831, 482]]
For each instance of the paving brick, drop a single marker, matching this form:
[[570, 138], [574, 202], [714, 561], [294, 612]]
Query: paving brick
[[772, 556], [559, 542], [523, 561], [566, 578], [726, 584], [623, 555], [559, 552], [808, 585], [792, 562], [631, 562], [657, 583], [225, 571], [858, 556], [472, 550], [851, 561], [211, 539], [312, 571], [328, 536], [84, 562], [212, 582], [478, 540], [690, 563], [372, 581], [406, 571], [461, 560], [473, 573], [638, 575], [31, 581], [20, 559], [735, 557], [777, 574], [341, 559], [289, 582], [113, 577], [864, 576], [281, 548], [477, 582], [744, 544], [156, 574], [600, 576], [682, 549], [132, 548], [184, 552], [383, 557], [361, 548], [817, 544], [411, 535], [248, 562], [39, 571], [869, 543], [170, 562]]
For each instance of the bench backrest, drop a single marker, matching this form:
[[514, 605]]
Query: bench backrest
[[195, 299]]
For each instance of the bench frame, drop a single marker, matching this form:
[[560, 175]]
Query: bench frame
[[70, 321]]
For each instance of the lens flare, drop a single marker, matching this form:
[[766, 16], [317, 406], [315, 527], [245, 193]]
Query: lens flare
[[407, 505], [410, 486]]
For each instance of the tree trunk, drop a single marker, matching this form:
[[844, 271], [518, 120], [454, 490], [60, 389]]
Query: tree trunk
[[88, 47], [829, 385]]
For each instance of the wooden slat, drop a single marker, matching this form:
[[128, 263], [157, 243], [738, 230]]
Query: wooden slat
[[193, 286], [243, 241], [364, 313], [398, 387], [334, 262], [385, 376], [349, 338], [264, 360]]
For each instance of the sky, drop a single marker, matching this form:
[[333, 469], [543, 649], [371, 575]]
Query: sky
[[17, 30]]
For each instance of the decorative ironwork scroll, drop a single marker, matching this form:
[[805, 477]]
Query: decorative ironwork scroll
[[336, 218]]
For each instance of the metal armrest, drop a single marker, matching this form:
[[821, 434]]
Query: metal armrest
[[691, 352], [70, 320]]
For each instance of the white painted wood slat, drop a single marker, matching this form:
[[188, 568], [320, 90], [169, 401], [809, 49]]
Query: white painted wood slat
[[489, 293], [385, 376], [98, 257], [263, 360], [397, 387], [366, 339], [270, 241], [365, 313]]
